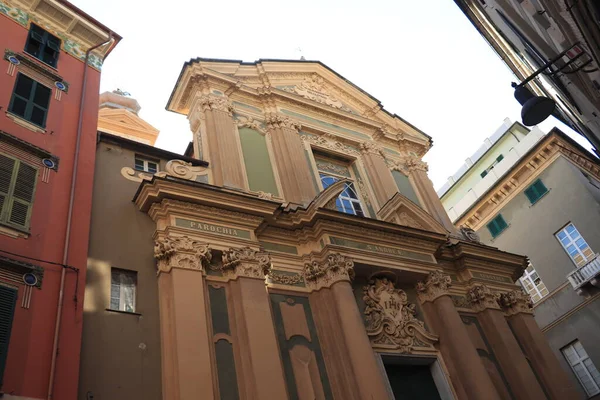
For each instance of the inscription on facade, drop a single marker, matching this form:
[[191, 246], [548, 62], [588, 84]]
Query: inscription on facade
[[212, 228], [491, 277], [382, 249]]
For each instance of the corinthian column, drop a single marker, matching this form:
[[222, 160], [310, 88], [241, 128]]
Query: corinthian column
[[467, 371], [223, 149], [380, 175], [260, 362], [290, 158], [418, 170], [335, 272], [185, 346], [506, 348], [518, 308]]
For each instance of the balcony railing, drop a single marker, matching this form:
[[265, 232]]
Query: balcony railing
[[588, 273]]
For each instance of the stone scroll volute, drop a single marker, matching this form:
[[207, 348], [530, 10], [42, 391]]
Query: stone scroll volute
[[390, 320]]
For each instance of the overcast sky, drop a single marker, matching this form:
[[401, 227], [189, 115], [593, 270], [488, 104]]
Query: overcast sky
[[422, 59]]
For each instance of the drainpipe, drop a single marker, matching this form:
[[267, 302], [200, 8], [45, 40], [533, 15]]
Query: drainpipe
[[69, 218]]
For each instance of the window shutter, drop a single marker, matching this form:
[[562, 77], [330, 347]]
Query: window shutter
[[8, 299], [7, 166], [23, 195]]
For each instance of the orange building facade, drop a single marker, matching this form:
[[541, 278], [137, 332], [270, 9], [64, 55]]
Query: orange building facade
[[299, 252], [48, 119]]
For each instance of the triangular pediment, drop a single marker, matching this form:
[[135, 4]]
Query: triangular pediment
[[400, 210], [125, 123]]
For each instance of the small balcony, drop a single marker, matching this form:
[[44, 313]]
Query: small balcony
[[586, 274]]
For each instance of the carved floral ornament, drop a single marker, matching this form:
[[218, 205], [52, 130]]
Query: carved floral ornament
[[176, 168], [334, 268], [313, 88], [435, 285], [330, 141], [390, 319], [275, 121], [516, 302], [181, 252], [209, 102], [245, 262], [373, 148], [480, 297], [249, 122]]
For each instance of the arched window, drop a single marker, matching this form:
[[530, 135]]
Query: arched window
[[332, 171]]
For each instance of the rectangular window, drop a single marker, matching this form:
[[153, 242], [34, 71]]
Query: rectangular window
[[533, 284], [536, 191], [43, 45], [30, 100], [497, 225], [583, 368], [17, 187], [575, 245], [8, 299], [331, 171], [491, 167], [142, 164], [123, 287]]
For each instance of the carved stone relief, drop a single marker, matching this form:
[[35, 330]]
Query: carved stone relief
[[390, 319], [249, 122], [436, 285], [330, 141], [274, 121], [515, 302], [481, 298], [245, 262], [313, 88], [176, 168]]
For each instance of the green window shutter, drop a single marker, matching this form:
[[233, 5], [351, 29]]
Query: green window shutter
[[535, 191], [30, 100], [7, 166], [8, 299], [22, 199], [497, 225]]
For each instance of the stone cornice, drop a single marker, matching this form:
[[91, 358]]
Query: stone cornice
[[324, 273], [436, 284]]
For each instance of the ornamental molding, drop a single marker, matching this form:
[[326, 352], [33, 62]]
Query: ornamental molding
[[279, 121], [516, 302], [284, 279], [202, 210], [481, 298], [313, 88], [390, 319], [175, 168], [363, 191], [249, 122], [416, 164], [436, 284], [407, 220], [335, 268], [469, 234], [375, 233], [181, 252], [245, 262], [398, 165], [372, 148], [330, 141]]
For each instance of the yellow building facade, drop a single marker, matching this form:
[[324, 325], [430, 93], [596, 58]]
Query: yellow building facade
[[312, 259]]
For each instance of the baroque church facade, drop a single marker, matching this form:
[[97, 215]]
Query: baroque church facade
[[299, 252]]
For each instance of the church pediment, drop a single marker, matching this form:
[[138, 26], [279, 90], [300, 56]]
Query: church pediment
[[400, 210], [124, 123]]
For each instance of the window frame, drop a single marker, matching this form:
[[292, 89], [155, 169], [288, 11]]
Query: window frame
[[573, 242], [581, 361], [47, 40], [530, 286], [493, 221], [484, 173], [123, 272], [7, 205], [30, 102], [349, 186], [533, 194], [146, 161]]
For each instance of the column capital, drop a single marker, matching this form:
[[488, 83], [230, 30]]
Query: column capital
[[209, 102], [245, 262], [435, 285], [181, 252], [516, 302], [482, 298], [335, 268], [275, 120], [416, 164], [371, 147]]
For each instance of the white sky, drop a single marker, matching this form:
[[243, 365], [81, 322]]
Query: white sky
[[422, 59]]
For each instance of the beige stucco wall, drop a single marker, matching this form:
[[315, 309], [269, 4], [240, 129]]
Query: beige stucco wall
[[120, 356]]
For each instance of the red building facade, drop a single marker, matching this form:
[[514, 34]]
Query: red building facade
[[48, 119]]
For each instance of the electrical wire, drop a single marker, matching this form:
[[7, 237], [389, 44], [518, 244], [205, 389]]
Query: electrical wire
[[39, 260]]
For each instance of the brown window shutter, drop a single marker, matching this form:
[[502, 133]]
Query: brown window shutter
[[7, 166]]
